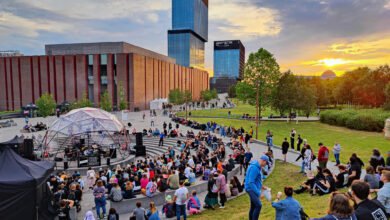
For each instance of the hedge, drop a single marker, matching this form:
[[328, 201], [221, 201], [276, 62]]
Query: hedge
[[358, 119]]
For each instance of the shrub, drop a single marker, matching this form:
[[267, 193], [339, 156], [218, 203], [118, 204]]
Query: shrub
[[362, 119]]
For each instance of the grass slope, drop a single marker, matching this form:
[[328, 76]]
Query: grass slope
[[284, 175], [352, 141]]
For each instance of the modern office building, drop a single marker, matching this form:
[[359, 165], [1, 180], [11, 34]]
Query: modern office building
[[186, 40], [229, 63], [90, 69]]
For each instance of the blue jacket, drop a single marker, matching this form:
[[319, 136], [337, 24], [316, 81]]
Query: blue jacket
[[287, 209], [253, 178]]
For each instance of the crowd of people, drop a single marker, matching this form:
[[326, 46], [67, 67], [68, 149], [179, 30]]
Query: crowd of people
[[202, 157]]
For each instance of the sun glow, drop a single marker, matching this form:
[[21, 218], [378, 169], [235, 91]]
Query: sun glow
[[332, 62]]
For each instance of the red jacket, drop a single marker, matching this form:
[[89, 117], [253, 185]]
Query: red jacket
[[323, 154]]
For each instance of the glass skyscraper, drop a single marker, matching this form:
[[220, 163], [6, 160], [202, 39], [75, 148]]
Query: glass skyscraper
[[186, 40], [229, 61]]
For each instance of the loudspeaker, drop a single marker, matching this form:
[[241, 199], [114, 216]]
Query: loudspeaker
[[82, 141], [28, 148], [66, 166], [138, 139], [108, 161], [140, 151], [112, 153], [129, 124]]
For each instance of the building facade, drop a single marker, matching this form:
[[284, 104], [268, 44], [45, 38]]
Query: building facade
[[186, 40], [229, 64], [138, 77]]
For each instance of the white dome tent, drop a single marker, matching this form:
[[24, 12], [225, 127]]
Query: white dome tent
[[85, 129]]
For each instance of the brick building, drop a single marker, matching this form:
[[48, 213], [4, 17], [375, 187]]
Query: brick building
[[141, 76]]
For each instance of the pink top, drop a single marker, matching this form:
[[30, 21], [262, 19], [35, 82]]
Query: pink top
[[144, 182]]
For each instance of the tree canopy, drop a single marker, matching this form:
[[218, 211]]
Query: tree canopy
[[46, 105]]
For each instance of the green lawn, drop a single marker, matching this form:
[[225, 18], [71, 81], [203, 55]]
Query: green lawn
[[352, 141], [314, 206], [236, 112]]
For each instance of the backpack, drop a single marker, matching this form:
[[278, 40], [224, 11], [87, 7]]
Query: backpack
[[112, 217], [153, 189]]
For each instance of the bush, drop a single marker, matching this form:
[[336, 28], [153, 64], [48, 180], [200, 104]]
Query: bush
[[46, 105], [362, 119]]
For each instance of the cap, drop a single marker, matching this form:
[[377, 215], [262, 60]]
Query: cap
[[263, 157], [168, 198]]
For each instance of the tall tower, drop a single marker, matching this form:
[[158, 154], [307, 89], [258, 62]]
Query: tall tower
[[186, 40]]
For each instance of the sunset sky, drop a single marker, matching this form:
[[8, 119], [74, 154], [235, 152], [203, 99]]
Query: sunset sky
[[306, 36]]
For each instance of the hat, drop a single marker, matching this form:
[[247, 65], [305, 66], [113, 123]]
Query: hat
[[168, 198], [263, 157]]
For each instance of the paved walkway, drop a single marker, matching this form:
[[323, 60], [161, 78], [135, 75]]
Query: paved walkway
[[135, 118]]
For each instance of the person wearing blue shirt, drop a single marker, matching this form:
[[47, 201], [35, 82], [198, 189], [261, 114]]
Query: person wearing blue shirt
[[161, 142], [288, 208], [254, 185]]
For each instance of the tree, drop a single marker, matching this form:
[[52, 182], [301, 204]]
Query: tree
[[306, 99], [285, 97], [175, 97], [232, 91], [105, 101], [262, 73], [187, 97], [207, 95], [122, 99], [46, 105], [386, 106], [81, 103], [246, 93]]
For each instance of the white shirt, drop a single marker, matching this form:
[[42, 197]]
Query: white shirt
[[181, 195], [191, 162], [187, 171]]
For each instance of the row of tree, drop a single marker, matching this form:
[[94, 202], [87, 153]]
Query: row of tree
[[265, 86]]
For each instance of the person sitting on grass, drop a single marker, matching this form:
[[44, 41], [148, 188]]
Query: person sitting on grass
[[371, 178], [193, 204], [287, 208], [339, 208], [325, 185], [342, 177]]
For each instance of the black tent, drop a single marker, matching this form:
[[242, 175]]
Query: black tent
[[24, 193], [15, 143]]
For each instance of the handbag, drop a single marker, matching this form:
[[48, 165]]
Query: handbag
[[304, 216]]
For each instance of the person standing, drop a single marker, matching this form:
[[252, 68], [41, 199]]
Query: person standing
[[181, 196], [292, 138], [26, 119], [302, 155], [152, 121], [285, 146], [323, 155], [254, 185], [139, 212], [300, 141], [287, 208], [221, 184], [269, 140], [308, 157], [143, 116], [161, 142], [99, 192], [336, 153]]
